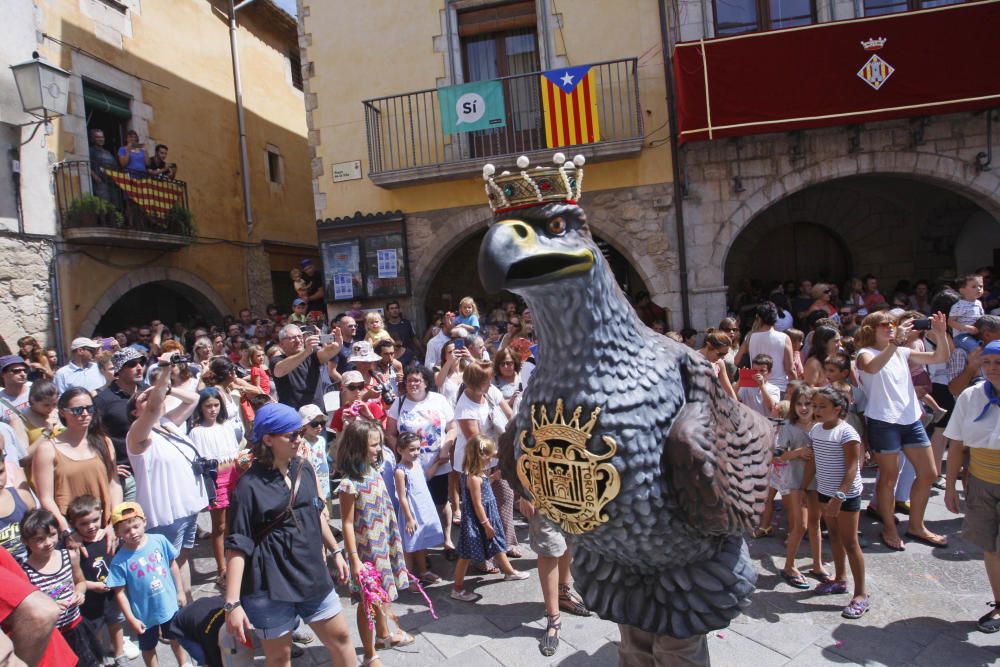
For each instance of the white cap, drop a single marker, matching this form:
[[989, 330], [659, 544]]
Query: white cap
[[310, 412], [82, 342]]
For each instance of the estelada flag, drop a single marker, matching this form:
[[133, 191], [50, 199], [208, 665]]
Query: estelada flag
[[156, 196], [569, 101]]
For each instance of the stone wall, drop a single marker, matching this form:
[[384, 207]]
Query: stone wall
[[773, 166], [260, 290], [638, 222], [25, 297]]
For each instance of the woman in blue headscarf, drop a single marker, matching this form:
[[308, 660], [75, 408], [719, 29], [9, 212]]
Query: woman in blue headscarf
[[276, 569], [975, 423]]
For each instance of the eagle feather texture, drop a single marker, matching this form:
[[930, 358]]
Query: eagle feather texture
[[693, 462]]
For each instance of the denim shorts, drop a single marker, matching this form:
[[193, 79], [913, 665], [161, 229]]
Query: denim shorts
[[181, 533], [886, 438], [273, 618]]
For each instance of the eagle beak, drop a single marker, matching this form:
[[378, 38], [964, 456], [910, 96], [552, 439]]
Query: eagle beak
[[512, 255]]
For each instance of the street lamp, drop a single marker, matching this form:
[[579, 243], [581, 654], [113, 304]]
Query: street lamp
[[43, 88]]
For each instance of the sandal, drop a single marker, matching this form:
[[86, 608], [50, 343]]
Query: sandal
[[795, 581], [486, 569], [368, 661], [391, 641], [450, 554], [762, 532], [943, 544], [819, 576], [893, 547], [570, 601], [456, 519], [549, 643], [857, 608], [515, 553], [428, 578]]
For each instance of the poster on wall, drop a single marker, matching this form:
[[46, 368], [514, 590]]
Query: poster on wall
[[387, 263], [342, 265], [343, 286]]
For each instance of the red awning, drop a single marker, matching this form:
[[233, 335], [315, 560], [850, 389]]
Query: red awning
[[932, 61]]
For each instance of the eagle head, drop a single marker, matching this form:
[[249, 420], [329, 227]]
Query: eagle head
[[537, 246]]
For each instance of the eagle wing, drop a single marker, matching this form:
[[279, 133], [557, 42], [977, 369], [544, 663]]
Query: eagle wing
[[717, 455]]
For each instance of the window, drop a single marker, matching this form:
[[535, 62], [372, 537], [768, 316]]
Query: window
[[879, 7], [733, 17], [295, 62], [274, 166]]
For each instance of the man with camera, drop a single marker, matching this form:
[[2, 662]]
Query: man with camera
[[298, 368], [158, 165], [111, 402]]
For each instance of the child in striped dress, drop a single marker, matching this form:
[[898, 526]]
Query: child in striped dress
[[57, 573]]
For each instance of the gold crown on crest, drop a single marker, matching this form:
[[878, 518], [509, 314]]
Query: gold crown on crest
[[541, 185], [558, 428]]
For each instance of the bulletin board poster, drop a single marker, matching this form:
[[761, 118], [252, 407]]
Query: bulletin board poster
[[385, 273], [342, 268]]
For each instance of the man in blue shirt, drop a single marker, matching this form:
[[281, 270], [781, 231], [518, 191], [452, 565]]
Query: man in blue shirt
[[81, 371]]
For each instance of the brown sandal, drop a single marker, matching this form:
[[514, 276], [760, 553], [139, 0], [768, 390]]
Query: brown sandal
[[570, 601]]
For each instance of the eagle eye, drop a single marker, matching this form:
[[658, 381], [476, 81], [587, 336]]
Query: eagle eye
[[557, 226]]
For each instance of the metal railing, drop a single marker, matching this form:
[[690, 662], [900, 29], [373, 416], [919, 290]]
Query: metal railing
[[91, 196], [404, 131]]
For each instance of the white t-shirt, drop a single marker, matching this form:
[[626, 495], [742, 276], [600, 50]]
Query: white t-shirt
[[480, 412], [828, 453], [217, 441], [983, 434], [772, 343], [429, 419], [752, 398], [966, 312], [891, 397], [433, 356], [165, 485]]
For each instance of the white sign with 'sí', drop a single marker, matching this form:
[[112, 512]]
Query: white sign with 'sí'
[[347, 171]]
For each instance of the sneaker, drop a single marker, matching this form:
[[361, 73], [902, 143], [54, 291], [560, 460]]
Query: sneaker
[[463, 595], [989, 623], [939, 415], [831, 588], [516, 575], [122, 661], [857, 608], [940, 483], [302, 636], [129, 649]]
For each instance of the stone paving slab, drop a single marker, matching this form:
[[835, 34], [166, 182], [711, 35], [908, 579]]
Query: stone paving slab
[[925, 602]]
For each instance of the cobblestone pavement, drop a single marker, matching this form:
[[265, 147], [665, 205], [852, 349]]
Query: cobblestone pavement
[[925, 603]]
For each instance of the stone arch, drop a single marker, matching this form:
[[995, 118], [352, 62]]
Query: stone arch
[[948, 172], [203, 293], [449, 229]]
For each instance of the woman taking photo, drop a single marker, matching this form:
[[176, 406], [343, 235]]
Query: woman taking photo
[[162, 459], [78, 461], [715, 348], [449, 378], [481, 409], [825, 341], [276, 569], [893, 415], [507, 377], [429, 415]]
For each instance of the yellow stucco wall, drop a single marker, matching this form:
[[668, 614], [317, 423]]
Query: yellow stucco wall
[[366, 50], [180, 54]]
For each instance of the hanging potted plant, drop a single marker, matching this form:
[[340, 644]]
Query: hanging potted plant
[[92, 211], [180, 220]]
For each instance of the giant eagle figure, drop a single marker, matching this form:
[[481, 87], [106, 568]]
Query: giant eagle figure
[[624, 438]]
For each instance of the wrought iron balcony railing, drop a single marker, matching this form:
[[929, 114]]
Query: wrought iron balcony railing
[[406, 143], [120, 207]]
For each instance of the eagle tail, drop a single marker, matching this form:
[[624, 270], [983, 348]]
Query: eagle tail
[[680, 601]]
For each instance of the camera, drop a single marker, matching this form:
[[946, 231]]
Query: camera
[[922, 325], [179, 359]]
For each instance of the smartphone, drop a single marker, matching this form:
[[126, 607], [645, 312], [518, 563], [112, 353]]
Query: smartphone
[[922, 325], [746, 378], [459, 344], [325, 339]]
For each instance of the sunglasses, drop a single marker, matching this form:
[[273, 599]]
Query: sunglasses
[[355, 387], [79, 410], [293, 436], [318, 423], [133, 363], [19, 369], [731, 329]]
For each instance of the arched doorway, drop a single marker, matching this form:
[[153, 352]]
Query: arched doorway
[[165, 300], [458, 277], [895, 227]]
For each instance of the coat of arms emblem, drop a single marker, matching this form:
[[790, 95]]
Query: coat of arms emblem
[[569, 484], [876, 72]]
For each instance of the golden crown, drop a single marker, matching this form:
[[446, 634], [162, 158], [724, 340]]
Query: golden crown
[[558, 428], [541, 185]]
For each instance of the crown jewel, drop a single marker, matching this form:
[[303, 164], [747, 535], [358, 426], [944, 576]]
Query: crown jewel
[[541, 185]]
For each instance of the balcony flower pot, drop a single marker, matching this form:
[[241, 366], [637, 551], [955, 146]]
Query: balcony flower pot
[[91, 211], [180, 220]]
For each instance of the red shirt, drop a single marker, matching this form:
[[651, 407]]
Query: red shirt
[[14, 588], [375, 405]]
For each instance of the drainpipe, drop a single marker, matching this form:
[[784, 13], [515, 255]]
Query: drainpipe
[[54, 289], [244, 160], [668, 75]]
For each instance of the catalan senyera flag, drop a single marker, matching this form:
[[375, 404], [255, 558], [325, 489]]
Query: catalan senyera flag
[[156, 196], [569, 101]]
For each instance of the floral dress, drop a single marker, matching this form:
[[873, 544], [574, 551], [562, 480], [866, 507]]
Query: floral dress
[[376, 533]]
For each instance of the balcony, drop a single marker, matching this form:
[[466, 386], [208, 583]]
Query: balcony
[[121, 208], [406, 144]]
